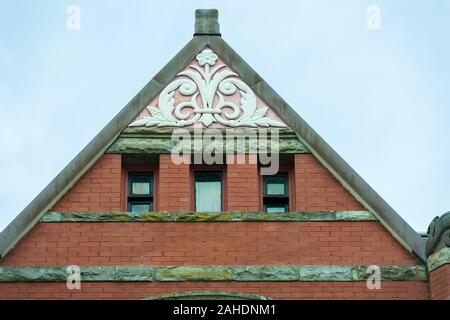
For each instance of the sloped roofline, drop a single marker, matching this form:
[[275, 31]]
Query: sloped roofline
[[354, 183]]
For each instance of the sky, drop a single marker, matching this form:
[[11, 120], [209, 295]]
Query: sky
[[380, 97]]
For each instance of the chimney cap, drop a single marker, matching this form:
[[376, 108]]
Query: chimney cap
[[207, 22]]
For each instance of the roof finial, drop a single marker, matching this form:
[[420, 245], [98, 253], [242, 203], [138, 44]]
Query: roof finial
[[207, 22]]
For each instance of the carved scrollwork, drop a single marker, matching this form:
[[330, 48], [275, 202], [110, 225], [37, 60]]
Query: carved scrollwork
[[212, 84], [439, 233]]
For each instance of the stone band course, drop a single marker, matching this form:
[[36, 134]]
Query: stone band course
[[211, 273], [137, 140], [188, 216]]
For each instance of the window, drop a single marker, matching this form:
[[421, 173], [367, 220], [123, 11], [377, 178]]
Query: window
[[140, 192], [276, 193], [208, 191]]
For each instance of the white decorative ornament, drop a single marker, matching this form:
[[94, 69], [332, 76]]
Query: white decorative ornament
[[201, 81]]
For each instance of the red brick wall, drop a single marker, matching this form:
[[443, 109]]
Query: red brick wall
[[98, 190], [242, 185], [227, 243], [317, 189], [275, 290], [174, 185], [209, 243], [440, 283]]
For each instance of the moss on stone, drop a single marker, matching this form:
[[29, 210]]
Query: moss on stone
[[211, 273], [438, 259], [189, 216]]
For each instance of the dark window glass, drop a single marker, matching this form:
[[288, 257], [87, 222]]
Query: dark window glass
[[137, 207], [140, 192], [276, 193], [208, 191]]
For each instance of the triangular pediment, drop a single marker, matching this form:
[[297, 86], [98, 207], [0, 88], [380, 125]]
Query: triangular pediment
[[207, 93]]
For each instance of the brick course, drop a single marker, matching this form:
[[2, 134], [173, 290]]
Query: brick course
[[242, 185], [98, 190], [209, 243], [274, 290], [316, 189], [440, 283], [174, 185]]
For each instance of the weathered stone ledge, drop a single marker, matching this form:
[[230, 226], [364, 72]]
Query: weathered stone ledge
[[147, 140], [160, 145], [187, 216], [208, 295], [212, 273], [438, 259]]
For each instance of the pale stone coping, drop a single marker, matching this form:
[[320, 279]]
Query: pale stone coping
[[438, 259], [143, 273], [189, 216]]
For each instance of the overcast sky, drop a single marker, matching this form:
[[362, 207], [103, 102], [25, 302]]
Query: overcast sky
[[381, 98]]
